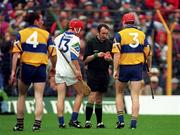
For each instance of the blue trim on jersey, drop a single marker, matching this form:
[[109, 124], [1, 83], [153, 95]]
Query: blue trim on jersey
[[41, 48], [128, 49], [50, 41], [69, 33], [131, 26], [117, 37], [77, 48], [18, 37], [73, 56], [145, 42]]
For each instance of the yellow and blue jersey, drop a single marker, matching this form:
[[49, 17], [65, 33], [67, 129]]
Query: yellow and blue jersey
[[35, 46], [132, 45]]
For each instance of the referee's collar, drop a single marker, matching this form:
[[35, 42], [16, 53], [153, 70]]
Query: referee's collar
[[99, 40]]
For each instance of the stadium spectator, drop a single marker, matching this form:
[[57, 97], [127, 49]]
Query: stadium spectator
[[33, 45], [6, 46], [126, 6], [30, 4], [175, 86], [4, 26], [97, 57], [128, 65], [159, 49], [154, 84], [92, 32], [11, 17], [60, 25], [176, 51], [17, 23], [68, 71], [88, 6]]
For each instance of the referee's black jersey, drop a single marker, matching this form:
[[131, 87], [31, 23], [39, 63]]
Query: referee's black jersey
[[95, 46]]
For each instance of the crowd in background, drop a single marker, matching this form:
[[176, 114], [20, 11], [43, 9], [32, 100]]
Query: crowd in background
[[57, 14]]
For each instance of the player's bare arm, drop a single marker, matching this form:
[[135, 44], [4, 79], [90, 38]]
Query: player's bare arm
[[15, 58], [116, 65]]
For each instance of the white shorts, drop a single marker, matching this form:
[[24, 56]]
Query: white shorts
[[64, 79]]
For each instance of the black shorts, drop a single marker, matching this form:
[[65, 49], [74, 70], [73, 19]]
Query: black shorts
[[98, 80], [31, 74]]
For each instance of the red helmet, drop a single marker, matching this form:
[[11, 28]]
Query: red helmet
[[129, 17], [75, 24]]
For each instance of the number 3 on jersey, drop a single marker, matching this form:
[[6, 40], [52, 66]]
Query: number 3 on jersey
[[32, 39], [135, 39]]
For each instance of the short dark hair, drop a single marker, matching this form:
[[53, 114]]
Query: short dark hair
[[31, 17], [102, 25]]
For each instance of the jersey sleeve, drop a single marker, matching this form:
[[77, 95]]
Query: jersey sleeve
[[116, 43], [146, 47], [17, 44], [51, 47], [75, 50], [88, 50]]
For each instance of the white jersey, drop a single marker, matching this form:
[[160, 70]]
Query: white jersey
[[69, 44]]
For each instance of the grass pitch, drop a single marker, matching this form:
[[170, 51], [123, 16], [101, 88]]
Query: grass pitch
[[147, 125]]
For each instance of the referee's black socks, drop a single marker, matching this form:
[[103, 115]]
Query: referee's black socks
[[89, 111], [98, 111]]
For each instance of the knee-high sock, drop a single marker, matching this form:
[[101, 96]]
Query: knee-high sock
[[89, 111], [98, 111]]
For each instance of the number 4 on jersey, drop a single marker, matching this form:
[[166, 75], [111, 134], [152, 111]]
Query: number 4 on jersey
[[32, 39]]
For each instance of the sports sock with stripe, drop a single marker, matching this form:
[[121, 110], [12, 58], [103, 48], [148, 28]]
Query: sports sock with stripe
[[61, 120], [133, 122], [120, 116], [20, 122], [74, 116], [37, 123]]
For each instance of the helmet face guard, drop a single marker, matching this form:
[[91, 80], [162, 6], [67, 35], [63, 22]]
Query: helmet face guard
[[76, 25], [129, 17]]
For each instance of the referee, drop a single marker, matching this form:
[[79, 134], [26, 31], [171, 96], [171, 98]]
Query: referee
[[97, 57]]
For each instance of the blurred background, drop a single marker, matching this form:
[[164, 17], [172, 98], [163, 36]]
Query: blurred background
[[159, 19]]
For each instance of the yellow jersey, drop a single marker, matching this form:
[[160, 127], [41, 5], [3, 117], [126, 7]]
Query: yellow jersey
[[132, 44], [35, 46]]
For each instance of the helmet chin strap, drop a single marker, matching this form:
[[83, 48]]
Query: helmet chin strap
[[77, 30]]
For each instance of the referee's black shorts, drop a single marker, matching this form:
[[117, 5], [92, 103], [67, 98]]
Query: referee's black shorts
[[98, 80]]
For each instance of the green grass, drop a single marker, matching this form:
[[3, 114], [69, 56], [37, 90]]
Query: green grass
[[147, 125]]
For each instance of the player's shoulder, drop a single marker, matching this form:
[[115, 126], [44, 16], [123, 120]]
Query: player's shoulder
[[132, 29], [23, 30], [57, 39], [44, 31], [75, 38], [30, 28], [140, 31]]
